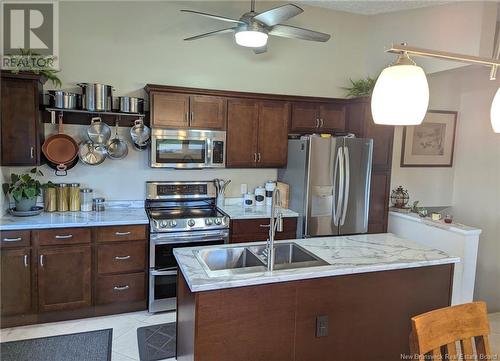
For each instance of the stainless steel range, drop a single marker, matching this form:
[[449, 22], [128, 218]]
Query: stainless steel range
[[181, 214]]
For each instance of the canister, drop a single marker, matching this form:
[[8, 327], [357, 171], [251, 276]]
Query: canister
[[248, 200], [62, 197], [74, 197], [98, 204], [260, 196], [86, 199], [50, 199], [270, 185]]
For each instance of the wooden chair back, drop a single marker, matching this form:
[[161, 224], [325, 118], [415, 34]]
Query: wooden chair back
[[452, 333]]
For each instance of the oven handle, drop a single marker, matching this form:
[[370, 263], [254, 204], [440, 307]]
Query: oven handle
[[166, 238], [163, 273]]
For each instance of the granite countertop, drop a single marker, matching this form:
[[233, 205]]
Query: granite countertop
[[452, 227], [345, 255], [117, 214], [237, 211]]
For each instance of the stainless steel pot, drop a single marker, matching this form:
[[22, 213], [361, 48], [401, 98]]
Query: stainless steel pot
[[91, 153], [131, 105], [140, 133], [64, 100], [117, 148], [97, 97]]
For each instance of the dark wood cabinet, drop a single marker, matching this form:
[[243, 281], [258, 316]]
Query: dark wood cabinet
[[317, 117], [360, 122], [22, 130], [180, 111], [16, 288], [64, 278], [257, 133], [255, 230]]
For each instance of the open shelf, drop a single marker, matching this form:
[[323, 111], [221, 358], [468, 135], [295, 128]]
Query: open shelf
[[83, 117]]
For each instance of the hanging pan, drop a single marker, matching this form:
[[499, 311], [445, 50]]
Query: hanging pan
[[60, 149]]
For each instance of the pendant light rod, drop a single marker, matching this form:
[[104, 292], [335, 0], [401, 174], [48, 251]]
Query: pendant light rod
[[398, 49]]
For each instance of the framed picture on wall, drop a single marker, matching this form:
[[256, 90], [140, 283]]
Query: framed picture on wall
[[431, 143]]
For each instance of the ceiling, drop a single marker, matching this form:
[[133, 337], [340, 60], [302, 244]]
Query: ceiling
[[371, 7]]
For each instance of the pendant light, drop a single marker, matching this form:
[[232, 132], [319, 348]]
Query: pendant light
[[495, 112], [401, 94]]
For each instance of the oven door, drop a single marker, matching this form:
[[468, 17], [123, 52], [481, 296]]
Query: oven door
[[163, 266]]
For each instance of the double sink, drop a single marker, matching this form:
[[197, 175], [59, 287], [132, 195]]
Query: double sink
[[219, 262]]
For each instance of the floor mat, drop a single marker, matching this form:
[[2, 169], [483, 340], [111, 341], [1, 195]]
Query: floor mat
[[156, 342], [83, 346]]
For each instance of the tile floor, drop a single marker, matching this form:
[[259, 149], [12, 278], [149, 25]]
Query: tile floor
[[125, 331]]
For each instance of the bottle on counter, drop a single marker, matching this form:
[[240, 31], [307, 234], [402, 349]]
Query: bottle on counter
[[86, 199], [74, 197], [50, 199], [98, 204], [62, 197], [249, 200]]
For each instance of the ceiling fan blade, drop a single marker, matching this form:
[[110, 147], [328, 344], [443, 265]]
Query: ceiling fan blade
[[216, 32], [260, 50], [279, 14], [287, 31], [216, 17]]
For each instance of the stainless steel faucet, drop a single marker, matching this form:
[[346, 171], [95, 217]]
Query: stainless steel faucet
[[275, 225]]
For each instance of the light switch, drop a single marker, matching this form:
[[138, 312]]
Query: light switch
[[321, 326]]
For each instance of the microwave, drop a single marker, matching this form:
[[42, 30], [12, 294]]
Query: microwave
[[189, 148]]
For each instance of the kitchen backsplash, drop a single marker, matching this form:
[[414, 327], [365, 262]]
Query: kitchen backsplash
[[125, 179]]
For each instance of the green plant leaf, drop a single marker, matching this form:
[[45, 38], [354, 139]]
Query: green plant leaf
[[14, 178], [6, 188], [30, 193], [17, 194]]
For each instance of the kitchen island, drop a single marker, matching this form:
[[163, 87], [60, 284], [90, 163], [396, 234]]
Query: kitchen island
[[355, 306]]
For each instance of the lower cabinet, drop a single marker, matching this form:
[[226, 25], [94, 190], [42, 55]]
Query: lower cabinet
[[16, 290], [64, 278], [65, 273], [256, 230]]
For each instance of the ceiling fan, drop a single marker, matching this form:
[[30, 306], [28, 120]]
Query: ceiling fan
[[252, 28]]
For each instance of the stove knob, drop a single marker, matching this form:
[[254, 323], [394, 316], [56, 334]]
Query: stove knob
[[208, 221], [191, 223], [163, 224], [218, 221], [172, 224]]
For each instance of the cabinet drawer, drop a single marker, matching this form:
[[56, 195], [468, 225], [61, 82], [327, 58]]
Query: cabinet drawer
[[63, 236], [120, 288], [246, 226], [120, 233], [121, 257], [10, 239]]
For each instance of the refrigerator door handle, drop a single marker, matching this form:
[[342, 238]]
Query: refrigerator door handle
[[346, 187], [339, 165]]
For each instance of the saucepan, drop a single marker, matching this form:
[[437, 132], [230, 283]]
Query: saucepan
[[117, 148], [140, 134], [98, 131], [63, 99], [131, 105]]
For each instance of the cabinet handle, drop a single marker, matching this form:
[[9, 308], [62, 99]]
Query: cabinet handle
[[41, 260], [258, 157], [121, 258], [191, 117], [122, 233], [264, 225], [121, 288], [255, 157], [32, 152], [12, 239], [317, 122], [65, 236], [321, 122], [186, 116], [25, 258]]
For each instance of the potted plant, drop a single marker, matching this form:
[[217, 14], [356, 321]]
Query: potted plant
[[24, 189], [360, 87]]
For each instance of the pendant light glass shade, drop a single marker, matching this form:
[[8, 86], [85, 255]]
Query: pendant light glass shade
[[401, 94], [495, 112], [250, 38]]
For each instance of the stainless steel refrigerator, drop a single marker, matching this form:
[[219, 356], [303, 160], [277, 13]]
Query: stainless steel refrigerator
[[329, 182]]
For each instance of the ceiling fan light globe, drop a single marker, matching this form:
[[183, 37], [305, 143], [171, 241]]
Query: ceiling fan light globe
[[251, 38], [400, 96], [495, 112]]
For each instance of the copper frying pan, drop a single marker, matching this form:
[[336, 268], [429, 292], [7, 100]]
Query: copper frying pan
[[60, 149]]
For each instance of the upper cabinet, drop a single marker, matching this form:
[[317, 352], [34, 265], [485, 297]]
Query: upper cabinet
[[317, 117], [22, 130], [257, 133], [179, 111]]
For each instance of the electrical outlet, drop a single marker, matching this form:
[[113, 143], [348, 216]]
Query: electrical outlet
[[321, 326]]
